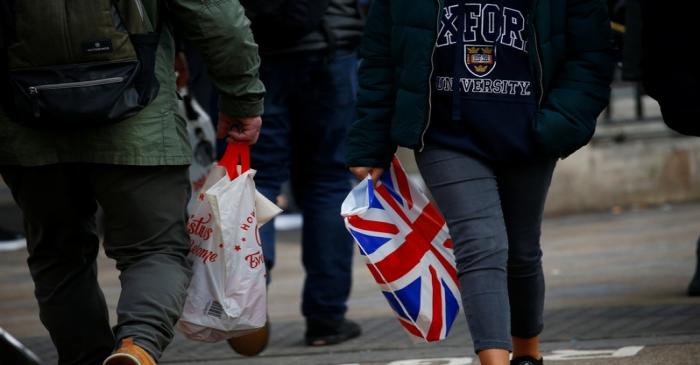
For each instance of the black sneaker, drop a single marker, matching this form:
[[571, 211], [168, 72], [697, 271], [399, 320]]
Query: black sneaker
[[10, 241], [526, 360], [694, 287], [325, 332]]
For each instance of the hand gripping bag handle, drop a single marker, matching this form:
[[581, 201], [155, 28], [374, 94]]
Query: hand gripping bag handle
[[236, 154]]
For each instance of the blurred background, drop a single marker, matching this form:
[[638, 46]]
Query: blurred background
[[623, 218]]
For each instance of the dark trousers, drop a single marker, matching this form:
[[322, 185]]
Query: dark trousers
[[494, 214], [309, 107], [144, 217]]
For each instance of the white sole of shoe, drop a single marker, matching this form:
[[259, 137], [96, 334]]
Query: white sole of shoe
[[12, 245], [121, 359]]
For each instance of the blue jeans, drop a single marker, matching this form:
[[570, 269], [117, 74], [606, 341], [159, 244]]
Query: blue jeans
[[494, 213], [309, 107]]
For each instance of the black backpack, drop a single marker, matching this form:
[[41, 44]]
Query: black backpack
[[673, 81], [76, 63]]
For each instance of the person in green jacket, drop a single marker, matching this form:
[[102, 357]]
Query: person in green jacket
[[489, 94], [137, 171]]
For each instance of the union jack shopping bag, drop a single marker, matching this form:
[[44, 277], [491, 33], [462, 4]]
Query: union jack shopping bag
[[408, 251]]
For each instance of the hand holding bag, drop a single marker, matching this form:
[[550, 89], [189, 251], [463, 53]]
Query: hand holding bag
[[227, 295]]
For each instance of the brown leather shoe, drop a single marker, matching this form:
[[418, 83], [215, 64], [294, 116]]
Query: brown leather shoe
[[129, 353], [253, 343]]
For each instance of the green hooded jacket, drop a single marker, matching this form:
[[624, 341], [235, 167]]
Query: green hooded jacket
[[157, 135], [570, 56]]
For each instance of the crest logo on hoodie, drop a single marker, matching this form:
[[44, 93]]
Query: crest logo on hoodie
[[480, 59]]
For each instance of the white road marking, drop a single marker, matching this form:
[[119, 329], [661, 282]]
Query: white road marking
[[432, 361], [436, 361], [557, 355], [593, 354]]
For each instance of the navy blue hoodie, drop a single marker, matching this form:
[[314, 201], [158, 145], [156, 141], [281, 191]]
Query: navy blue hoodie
[[483, 100]]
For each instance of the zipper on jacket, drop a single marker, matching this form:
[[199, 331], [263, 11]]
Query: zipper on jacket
[[540, 77], [66, 31], [430, 79], [540, 71], [140, 8]]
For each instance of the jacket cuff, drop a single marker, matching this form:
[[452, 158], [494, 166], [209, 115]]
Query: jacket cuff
[[239, 108], [380, 159]]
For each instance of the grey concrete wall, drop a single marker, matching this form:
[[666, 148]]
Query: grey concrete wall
[[634, 165], [627, 167]]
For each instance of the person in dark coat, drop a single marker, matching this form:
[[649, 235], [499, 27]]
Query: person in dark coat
[[489, 94]]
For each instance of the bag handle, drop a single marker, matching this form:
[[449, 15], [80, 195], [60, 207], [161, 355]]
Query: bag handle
[[236, 154]]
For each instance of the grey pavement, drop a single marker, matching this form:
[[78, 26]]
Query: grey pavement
[[615, 294]]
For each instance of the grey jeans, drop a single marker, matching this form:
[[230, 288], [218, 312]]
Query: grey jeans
[[145, 233], [494, 214]]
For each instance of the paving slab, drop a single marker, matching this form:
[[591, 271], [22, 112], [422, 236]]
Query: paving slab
[[612, 280]]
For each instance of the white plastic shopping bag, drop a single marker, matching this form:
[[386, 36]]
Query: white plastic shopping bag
[[227, 294], [408, 251], [202, 138]]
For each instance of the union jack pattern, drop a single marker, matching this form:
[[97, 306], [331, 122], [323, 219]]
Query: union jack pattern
[[408, 251]]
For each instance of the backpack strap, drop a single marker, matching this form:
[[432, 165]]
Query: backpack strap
[[8, 35], [7, 23]]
